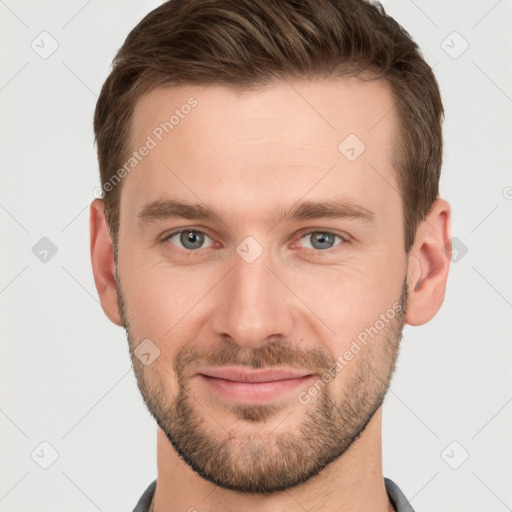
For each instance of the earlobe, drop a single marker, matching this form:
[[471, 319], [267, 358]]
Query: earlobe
[[429, 263], [102, 259]]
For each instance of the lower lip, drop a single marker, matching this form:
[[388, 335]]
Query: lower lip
[[254, 392]]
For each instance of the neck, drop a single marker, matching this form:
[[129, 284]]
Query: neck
[[354, 483]]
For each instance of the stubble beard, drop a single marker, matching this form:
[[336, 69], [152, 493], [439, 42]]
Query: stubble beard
[[261, 462]]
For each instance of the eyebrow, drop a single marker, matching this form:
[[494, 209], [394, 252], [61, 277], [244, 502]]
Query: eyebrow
[[306, 210]]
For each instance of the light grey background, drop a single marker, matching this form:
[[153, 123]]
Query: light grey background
[[65, 370]]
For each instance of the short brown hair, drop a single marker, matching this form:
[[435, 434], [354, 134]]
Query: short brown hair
[[251, 43]]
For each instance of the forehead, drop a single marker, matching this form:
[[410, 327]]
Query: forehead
[[331, 108], [244, 148]]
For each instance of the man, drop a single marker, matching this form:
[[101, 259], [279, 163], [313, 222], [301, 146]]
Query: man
[[270, 220]]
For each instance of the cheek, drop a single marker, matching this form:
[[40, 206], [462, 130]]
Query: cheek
[[159, 298], [351, 297], [360, 307]]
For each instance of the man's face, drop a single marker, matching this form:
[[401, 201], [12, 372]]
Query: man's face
[[258, 289]]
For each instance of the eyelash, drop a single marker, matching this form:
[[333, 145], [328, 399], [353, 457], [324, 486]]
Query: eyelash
[[344, 239]]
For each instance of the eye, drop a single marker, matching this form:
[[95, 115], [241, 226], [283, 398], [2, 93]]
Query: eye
[[190, 239], [193, 239], [321, 240]]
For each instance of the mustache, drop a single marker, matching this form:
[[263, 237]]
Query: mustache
[[274, 354]]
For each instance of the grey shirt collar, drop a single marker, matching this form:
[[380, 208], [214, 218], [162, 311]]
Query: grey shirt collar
[[396, 496]]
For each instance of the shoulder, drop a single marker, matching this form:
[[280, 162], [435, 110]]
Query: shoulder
[[145, 500], [397, 497]]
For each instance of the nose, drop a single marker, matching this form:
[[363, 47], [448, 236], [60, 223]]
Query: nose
[[254, 303]]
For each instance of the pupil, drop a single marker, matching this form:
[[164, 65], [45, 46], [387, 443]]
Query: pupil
[[192, 237], [323, 238]]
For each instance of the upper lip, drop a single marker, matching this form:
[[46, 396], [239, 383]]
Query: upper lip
[[245, 375]]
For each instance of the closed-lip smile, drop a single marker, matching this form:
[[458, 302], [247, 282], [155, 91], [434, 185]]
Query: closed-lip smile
[[248, 385]]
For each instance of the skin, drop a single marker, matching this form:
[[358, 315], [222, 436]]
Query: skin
[[248, 154]]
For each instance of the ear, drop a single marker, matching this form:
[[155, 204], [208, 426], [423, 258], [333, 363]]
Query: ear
[[102, 258], [429, 263]]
